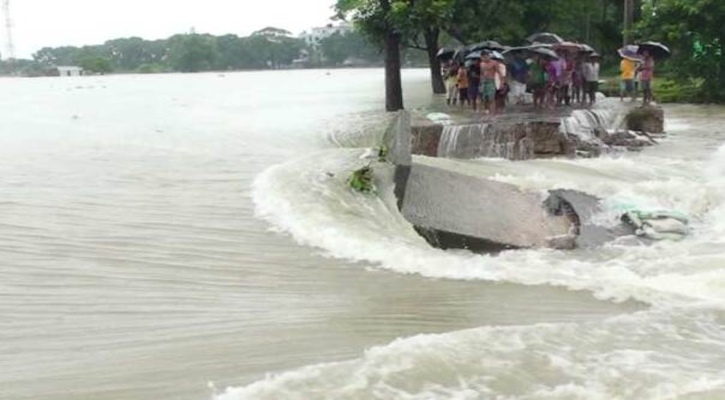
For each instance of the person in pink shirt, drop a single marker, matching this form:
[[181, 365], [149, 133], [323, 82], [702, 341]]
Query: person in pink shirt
[[645, 77], [552, 83]]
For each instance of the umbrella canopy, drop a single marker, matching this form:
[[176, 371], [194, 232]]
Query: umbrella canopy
[[586, 48], [544, 37], [569, 47], [531, 51], [445, 54], [495, 55], [630, 52], [657, 50], [545, 53], [474, 55], [487, 45]]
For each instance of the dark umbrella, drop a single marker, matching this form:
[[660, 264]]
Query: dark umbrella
[[630, 51], [546, 53], [531, 51], [495, 55], [487, 45], [586, 49], [460, 56], [445, 54], [569, 46], [473, 55], [544, 37], [657, 50]]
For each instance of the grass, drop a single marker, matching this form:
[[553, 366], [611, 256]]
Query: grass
[[665, 90]]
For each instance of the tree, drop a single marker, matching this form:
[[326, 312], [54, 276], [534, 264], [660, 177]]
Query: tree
[[694, 30], [376, 20], [192, 52], [425, 19], [276, 46]]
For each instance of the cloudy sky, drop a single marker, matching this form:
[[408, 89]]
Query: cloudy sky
[[39, 23]]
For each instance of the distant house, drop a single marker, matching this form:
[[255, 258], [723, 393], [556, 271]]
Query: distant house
[[315, 35], [69, 71]]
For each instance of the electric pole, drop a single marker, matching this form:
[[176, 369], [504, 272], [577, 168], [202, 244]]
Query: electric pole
[[628, 21]]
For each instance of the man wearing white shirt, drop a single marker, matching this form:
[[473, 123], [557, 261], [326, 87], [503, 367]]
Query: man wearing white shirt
[[590, 70]]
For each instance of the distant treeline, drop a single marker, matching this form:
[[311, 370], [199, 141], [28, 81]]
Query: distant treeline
[[269, 48]]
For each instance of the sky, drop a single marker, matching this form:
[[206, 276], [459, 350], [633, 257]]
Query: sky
[[41, 23]]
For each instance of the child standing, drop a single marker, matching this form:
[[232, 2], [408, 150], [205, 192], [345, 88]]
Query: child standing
[[462, 82]]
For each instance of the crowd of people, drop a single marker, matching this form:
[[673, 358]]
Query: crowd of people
[[570, 78]]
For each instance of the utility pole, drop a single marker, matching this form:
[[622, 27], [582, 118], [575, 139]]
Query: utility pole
[[9, 46], [628, 21]]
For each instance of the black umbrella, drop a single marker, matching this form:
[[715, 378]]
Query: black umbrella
[[460, 56], [495, 55], [587, 49], [531, 51], [473, 55], [544, 37], [657, 50], [546, 53], [487, 45], [445, 54]]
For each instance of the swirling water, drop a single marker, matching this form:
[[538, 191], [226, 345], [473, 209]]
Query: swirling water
[[163, 232]]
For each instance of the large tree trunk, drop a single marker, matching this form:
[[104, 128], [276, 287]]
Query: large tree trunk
[[393, 84], [431, 44]]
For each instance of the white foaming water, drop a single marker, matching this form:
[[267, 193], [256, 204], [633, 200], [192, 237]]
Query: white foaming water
[[674, 349], [627, 357]]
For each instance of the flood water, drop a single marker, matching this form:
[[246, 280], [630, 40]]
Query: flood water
[[192, 237]]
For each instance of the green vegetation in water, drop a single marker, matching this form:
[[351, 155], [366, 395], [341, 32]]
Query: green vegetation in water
[[382, 153], [362, 180]]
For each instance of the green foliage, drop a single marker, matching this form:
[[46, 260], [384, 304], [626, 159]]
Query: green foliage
[[192, 52], [267, 48], [694, 31], [96, 65], [362, 180]]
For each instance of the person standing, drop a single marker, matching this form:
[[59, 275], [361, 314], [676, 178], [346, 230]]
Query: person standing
[[538, 82], [489, 72], [566, 79], [627, 69], [519, 78], [502, 86], [645, 77], [463, 85], [474, 80], [590, 72], [552, 83], [577, 88], [451, 75]]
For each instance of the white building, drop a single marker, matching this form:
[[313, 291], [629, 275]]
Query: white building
[[69, 71], [315, 35]]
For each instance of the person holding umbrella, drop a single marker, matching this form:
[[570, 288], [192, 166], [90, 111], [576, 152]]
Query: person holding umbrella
[[650, 51], [451, 78], [645, 77], [463, 85], [590, 72], [627, 68], [489, 72], [537, 81]]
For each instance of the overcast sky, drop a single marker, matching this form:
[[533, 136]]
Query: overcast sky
[[39, 23]]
